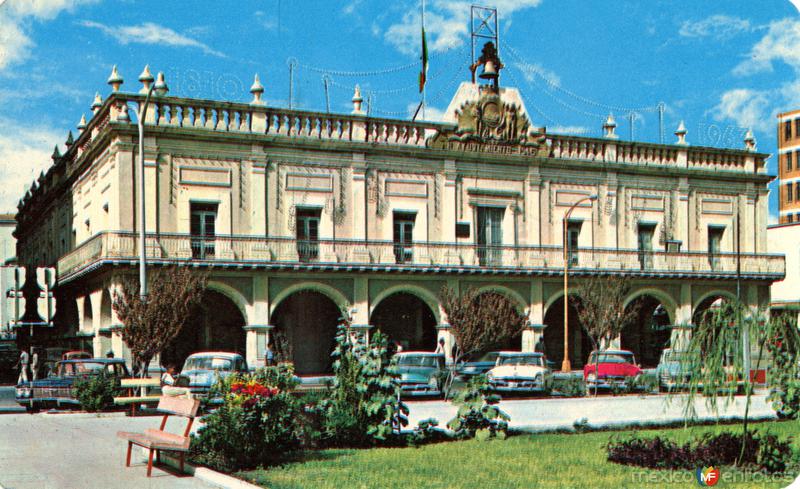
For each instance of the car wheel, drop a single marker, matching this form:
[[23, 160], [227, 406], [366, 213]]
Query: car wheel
[[31, 409]]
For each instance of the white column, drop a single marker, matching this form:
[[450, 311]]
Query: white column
[[682, 329], [97, 343]]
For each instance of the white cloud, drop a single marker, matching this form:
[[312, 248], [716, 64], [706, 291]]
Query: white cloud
[[432, 114], [446, 24], [150, 33], [15, 41], [781, 43], [530, 71], [748, 108], [23, 155], [718, 26]]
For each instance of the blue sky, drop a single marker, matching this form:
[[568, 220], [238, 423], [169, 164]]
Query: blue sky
[[719, 66]]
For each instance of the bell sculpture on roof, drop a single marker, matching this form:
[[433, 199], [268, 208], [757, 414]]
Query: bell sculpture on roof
[[491, 65]]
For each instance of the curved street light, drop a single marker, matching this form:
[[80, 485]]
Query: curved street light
[[566, 366]]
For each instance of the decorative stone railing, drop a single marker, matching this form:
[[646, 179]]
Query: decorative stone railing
[[617, 151], [462, 256]]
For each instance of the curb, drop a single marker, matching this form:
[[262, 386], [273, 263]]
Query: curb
[[217, 479]]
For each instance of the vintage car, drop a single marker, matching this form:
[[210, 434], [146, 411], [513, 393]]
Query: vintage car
[[522, 372], [56, 390], [421, 373], [675, 368], [479, 366], [75, 354], [608, 369], [202, 370]]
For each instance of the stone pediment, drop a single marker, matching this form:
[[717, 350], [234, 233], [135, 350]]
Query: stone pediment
[[491, 124]]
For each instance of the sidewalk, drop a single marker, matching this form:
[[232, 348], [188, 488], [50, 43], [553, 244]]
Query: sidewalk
[[55, 451]]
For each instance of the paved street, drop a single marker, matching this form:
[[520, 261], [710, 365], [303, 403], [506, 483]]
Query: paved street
[[50, 451], [55, 451]]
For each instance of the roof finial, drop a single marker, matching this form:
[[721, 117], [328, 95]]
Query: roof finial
[[115, 80], [56, 153], [257, 90], [357, 100], [161, 87], [749, 140], [681, 133], [609, 126], [70, 140], [82, 124], [97, 103], [146, 78]]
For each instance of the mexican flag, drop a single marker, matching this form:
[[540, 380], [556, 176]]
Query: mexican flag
[[423, 74]]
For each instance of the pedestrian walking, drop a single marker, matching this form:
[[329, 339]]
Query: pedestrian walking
[[34, 363], [24, 359]]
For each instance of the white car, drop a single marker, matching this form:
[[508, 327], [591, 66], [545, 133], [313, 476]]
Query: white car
[[520, 372]]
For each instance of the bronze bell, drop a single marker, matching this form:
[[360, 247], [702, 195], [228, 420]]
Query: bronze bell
[[489, 71]]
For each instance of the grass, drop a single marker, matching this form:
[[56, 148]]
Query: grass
[[538, 460]]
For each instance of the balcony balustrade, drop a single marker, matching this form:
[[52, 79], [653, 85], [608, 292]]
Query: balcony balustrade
[[458, 257]]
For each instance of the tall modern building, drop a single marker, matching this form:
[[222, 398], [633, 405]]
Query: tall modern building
[[300, 218], [789, 166]]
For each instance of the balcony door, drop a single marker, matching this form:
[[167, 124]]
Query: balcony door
[[490, 235], [646, 232], [203, 229], [404, 236], [715, 245], [573, 233], [307, 233]]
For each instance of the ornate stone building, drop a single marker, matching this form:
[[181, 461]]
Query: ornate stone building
[[301, 217]]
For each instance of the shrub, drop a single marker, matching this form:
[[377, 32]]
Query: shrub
[[255, 425], [570, 386], [766, 452], [364, 407], [427, 431], [581, 425], [96, 392], [478, 415], [783, 376]]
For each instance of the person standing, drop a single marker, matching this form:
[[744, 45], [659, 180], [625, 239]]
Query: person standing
[[34, 363], [23, 367], [269, 356], [440, 346]]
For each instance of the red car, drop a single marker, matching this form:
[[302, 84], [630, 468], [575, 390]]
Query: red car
[[610, 368]]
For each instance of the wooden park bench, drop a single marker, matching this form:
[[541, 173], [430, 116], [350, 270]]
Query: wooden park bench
[[132, 399], [160, 440]]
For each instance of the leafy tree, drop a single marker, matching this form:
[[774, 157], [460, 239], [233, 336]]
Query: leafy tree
[[479, 322], [783, 376], [364, 407], [151, 324], [600, 303]]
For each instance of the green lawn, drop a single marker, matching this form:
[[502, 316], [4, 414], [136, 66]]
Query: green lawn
[[540, 460]]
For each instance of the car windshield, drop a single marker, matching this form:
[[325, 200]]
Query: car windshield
[[537, 360], [429, 361], [612, 358], [208, 363], [681, 356], [83, 368]]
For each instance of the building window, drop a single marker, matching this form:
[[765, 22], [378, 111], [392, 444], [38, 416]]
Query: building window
[[797, 126], [490, 235], [307, 233], [788, 158], [788, 218], [573, 233], [646, 232], [403, 236], [787, 130], [203, 229], [789, 196], [715, 245]]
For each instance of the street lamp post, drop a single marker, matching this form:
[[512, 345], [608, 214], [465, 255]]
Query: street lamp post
[[140, 191], [566, 366]]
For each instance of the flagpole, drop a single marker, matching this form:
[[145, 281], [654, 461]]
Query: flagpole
[[425, 85]]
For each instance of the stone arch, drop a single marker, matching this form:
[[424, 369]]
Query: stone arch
[[231, 293], [650, 330], [105, 309], [421, 293], [331, 293], [506, 292], [554, 298], [406, 319], [670, 305], [706, 299]]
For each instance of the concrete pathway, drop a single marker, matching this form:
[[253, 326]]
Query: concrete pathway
[[602, 411], [54, 451]]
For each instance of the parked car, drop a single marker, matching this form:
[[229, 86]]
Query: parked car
[[481, 365], [520, 372], [421, 373], [607, 369], [201, 370], [56, 390], [675, 368], [75, 354]]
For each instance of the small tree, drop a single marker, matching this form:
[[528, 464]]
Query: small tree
[[479, 321], [151, 324], [600, 303], [783, 376]]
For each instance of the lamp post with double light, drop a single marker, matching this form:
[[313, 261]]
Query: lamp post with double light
[[566, 366]]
